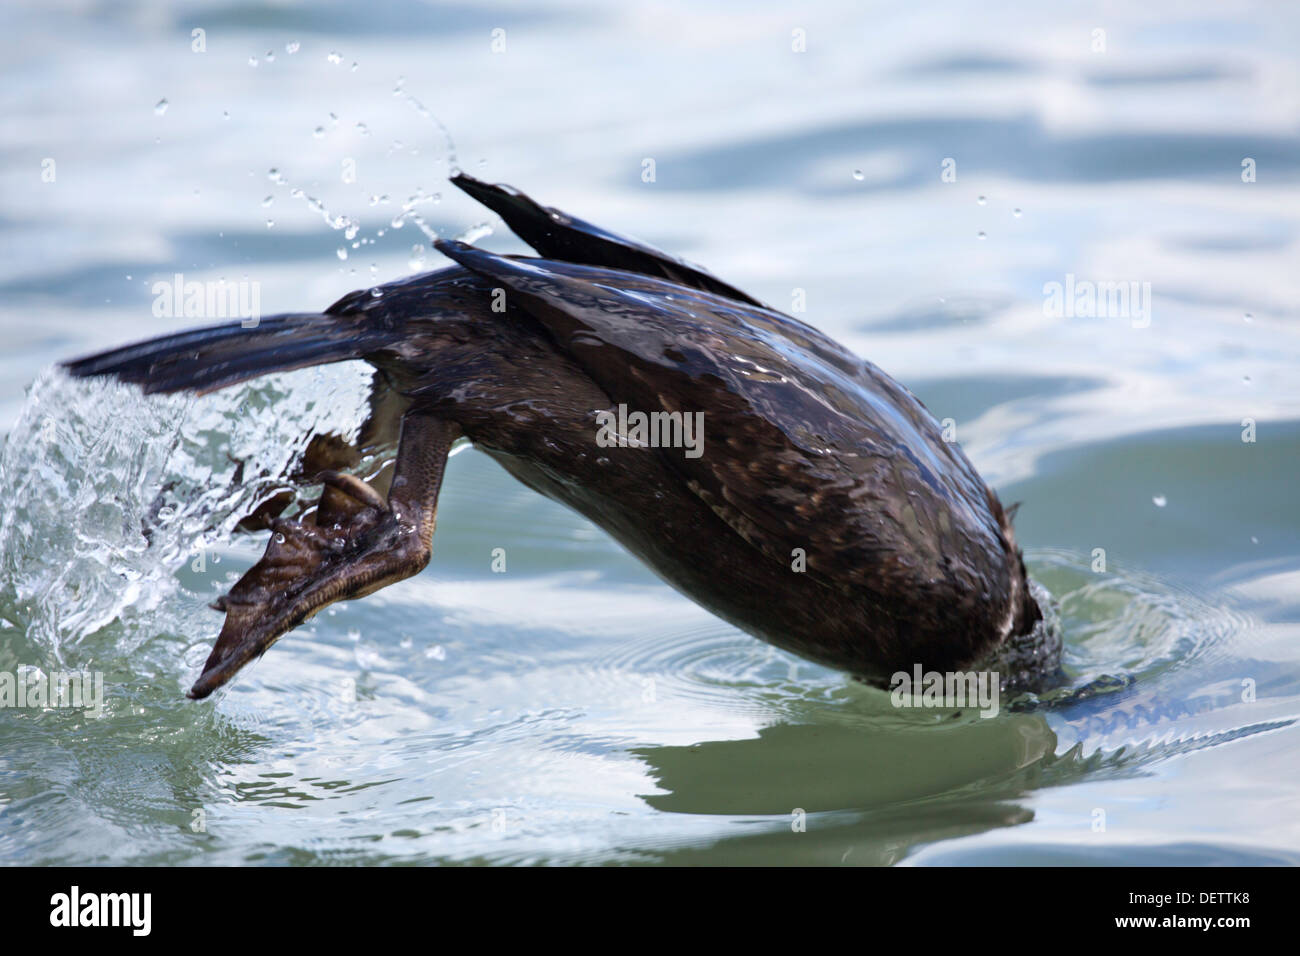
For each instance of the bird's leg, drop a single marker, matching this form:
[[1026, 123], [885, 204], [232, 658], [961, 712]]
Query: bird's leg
[[356, 542], [329, 452]]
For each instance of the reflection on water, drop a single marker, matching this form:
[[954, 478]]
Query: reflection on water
[[574, 709]]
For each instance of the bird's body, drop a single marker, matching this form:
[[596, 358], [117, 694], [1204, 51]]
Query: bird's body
[[799, 492]]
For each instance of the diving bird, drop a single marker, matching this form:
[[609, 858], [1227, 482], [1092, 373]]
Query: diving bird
[[802, 494]]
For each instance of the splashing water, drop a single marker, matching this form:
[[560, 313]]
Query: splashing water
[[347, 224], [108, 494], [400, 90], [410, 214], [475, 232]]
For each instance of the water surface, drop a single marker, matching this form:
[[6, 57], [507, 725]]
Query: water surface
[[574, 708]]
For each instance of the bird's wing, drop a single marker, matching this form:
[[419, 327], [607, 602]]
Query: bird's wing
[[557, 235], [804, 446]]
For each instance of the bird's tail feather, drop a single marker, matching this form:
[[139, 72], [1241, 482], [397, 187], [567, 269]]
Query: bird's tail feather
[[207, 359]]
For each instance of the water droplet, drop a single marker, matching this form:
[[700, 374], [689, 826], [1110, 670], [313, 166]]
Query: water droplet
[[983, 235], [1160, 501], [361, 128], [252, 61], [342, 252], [319, 132], [270, 56], [1248, 317], [354, 66], [1016, 213], [270, 223], [161, 107], [291, 47], [857, 174], [982, 200], [1254, 540], [268, 200], [435, 653], [225, 114], [1246, 379], [474, 233], [376, 292], [417, 257], [334, 57]]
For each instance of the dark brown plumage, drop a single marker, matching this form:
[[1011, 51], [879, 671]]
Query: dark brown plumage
[[825, 513]]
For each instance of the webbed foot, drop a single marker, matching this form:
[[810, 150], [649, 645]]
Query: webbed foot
[[355, 543]]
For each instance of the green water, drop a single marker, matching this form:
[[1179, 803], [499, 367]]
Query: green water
[[574, 709]]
